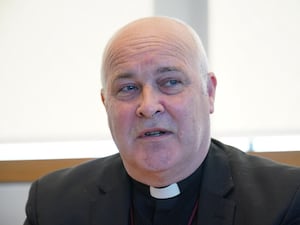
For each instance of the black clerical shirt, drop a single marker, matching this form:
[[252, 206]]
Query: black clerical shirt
[[147, 210]]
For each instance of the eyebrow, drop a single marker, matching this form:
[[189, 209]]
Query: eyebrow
[[168, 69], [160, 70], [121, 76]]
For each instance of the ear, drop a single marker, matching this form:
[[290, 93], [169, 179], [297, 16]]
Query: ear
[[103, 96], [211, 90]]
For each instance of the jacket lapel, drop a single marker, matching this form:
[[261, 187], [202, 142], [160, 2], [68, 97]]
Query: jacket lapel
[[214, 208], [110, 199]]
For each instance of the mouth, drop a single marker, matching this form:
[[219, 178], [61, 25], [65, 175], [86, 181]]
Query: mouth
[[154, 133]]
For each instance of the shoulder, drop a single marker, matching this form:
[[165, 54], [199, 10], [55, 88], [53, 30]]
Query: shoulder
[[90, 171], [261, 186], [253, 172], [263, 189], [242, 162], [257, 176], [65, 184], [68, 192]]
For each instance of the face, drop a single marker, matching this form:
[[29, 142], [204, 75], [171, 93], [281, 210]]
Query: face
[[157, 110]]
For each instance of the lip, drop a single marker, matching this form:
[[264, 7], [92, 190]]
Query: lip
[[163, 132]]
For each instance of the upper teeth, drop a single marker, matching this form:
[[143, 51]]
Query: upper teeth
[[154, 133]]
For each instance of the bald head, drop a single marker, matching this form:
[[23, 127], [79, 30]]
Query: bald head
[[145, 34]]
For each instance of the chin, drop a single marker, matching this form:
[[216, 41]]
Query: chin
[[157, 165]]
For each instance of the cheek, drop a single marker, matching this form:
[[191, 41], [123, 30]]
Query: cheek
[[119, 115], [193, 115]]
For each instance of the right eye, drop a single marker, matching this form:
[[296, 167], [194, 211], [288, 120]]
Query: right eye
[[128, 90]]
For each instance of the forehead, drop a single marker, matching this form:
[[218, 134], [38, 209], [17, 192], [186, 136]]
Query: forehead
[[147, 53], [148, 41]]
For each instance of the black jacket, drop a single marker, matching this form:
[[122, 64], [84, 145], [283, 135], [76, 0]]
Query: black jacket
[[236, 189]]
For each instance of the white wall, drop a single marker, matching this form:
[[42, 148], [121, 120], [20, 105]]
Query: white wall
[[254, 50]]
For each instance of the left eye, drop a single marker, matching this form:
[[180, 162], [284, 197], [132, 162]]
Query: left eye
[[171, 83], [171, 86], [128, 88], [127, 91]]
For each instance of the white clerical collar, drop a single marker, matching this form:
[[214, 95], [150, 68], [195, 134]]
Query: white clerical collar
[[165, 192]]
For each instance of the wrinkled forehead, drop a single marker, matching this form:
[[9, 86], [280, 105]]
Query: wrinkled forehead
[[165, 36]]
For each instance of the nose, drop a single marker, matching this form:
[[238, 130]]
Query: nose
[[149, 104]]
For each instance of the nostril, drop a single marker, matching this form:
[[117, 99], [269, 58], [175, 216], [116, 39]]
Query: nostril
[[148, 113], [155, 113], [140, 114]]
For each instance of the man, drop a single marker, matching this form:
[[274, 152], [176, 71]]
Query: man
[[159, 95]]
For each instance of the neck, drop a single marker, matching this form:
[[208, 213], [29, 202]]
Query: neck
[[154, 179], [158, 179]]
